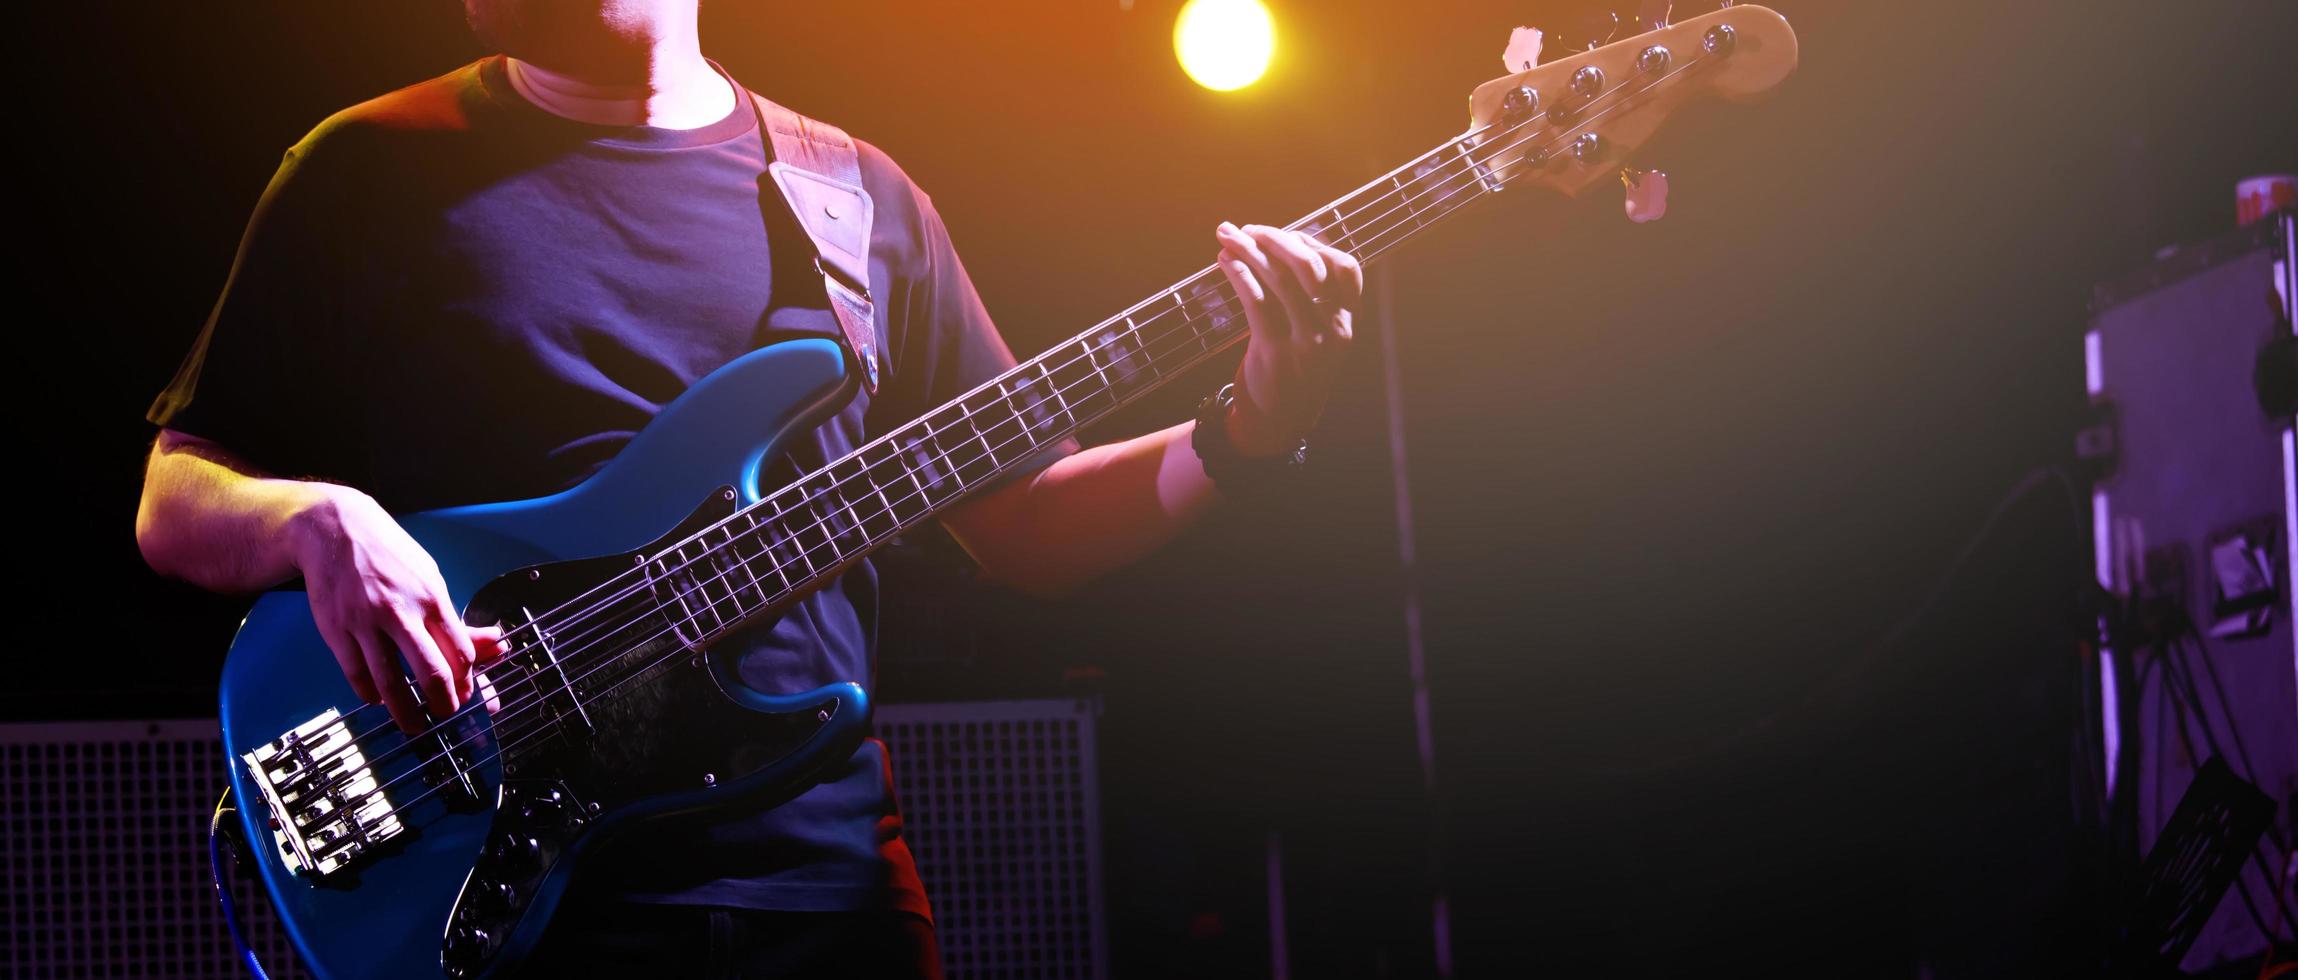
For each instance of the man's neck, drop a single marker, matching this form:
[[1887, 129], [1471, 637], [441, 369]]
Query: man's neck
[[679, 90]]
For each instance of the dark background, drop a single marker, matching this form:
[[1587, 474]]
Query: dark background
[[1674, 482]]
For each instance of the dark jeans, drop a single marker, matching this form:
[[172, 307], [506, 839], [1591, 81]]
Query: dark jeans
[[706, 941]]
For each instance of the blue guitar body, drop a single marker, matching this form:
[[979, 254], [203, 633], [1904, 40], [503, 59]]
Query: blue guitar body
[[481, 850]]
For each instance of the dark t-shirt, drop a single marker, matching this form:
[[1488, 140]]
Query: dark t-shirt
[[450, 296]]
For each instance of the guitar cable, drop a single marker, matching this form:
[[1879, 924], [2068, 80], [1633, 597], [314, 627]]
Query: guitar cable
[[2186, 700], [215, 833]]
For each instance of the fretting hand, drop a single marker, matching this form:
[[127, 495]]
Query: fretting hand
[[1299, 295]]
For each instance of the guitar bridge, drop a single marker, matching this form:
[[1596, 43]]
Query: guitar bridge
[[326, 806]]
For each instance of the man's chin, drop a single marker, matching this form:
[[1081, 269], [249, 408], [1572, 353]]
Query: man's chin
[[521, 28], [589, 36]]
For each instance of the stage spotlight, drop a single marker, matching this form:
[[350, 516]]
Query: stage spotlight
[[1224, 45]]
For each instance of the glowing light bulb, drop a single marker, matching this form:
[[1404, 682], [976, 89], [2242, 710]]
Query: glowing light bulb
[[1224, 45]]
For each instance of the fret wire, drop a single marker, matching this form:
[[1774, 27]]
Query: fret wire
[[701, 589], [826, 523], [1045, 374], [942, 450], [805, 551], [1032, 413], [764, 598], [1093, 358], [848, 504], [727, 585], [704, 559], [1413, 210], [823, 525], [692, 622], [912, 473], [869, 484], [1467, 163], [1005, 404], [887, 504], [830, 502], [1149, 365], [975, 428], [765, 553]]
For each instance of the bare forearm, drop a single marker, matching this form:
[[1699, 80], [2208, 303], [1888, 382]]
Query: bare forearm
[[1089, 513], [1111, 504], [376, 597], [215, 522]]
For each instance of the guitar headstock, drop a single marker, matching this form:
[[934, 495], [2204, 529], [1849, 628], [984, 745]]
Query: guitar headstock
[[1574, 121]]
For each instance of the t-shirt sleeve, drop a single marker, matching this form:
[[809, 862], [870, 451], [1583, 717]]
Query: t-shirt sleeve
[[257, 381], [944, 343]]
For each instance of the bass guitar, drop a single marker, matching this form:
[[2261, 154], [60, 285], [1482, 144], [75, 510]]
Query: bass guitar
[[444, 853]]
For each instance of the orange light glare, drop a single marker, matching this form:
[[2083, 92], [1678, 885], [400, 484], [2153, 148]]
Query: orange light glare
[[1224, 45]]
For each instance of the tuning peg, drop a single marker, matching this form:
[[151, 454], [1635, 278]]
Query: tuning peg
[[1523, 52], [1595, 30], [1647, 197], [1651, 15]]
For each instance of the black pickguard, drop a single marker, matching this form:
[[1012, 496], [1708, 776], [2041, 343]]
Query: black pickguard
[[654, 735]]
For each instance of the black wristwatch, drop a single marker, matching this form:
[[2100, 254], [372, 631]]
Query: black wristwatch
[[1237, 474]]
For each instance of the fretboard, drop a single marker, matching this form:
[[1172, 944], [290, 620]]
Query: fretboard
[[797, 539]]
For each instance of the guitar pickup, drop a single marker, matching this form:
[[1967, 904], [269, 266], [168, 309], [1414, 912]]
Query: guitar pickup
[[446, 770], [553, 684]]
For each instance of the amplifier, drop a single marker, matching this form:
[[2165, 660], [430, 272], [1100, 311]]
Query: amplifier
[[2194, 369], [1001, 804], [103, 868], [104, 865]]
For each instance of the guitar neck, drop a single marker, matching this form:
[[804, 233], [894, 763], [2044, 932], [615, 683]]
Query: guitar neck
[[798, 538], [986, 433], [766, 555]]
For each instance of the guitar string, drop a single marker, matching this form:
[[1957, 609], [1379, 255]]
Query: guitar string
[[534, 674], [511, 736], [815, 493], [836, 484], [1371, 250], [1469, 167], [831, 539], [838, 487], [1082, 340]]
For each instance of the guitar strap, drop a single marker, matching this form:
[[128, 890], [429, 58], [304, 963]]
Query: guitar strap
[[820, 174]]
